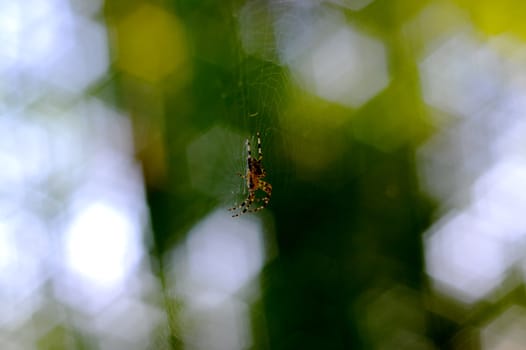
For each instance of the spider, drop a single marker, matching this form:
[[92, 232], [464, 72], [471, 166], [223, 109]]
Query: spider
[[254, 177]]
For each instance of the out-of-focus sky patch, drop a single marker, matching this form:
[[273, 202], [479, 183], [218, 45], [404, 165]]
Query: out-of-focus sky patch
[[127, 323], [329, 57], [347, 67], [71, 231], [86, 8], [463, 259], [447, 165], [501, 202], [102, 226], [35, 33], [47, 44], [85, 62], [23, 163], [475, 162], [216, 272], [221, 256], [509, 127], [101, 244], [462, 76], [22, 271], [326, 55]]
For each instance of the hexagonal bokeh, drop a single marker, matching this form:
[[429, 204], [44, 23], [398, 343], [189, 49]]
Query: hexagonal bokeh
[[49, 47], [331, 59], [326, 55], [349, 68], [463, 258], [213, 160], [86, 61], [212, 270], [475, 164], [150, 43], [460, 76]]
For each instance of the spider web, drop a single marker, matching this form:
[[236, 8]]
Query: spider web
[[267, 87], [254, 103], [260, 93]]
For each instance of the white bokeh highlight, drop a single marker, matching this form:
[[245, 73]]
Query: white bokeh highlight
[[326, 55], [475, 165], [331, 59], [46, 45], [72, 204], [221, 255], [461, 76], [348, 68], [464, 259], [215, 271], [102, 243]]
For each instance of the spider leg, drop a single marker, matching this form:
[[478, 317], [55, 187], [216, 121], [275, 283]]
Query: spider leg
[[267, 188], [238, 206], [255, 173], [249, 155], [246, 203], [260, 153]]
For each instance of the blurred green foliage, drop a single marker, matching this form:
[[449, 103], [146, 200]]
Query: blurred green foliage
[[347, 208], [350, 228]]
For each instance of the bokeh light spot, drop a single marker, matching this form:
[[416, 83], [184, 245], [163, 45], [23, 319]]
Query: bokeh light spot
[[150, 44], [333, 60], [216, 270], [461, 76], [349, 68], [100, 244], [85, 61], [463, 259], [221, 255]]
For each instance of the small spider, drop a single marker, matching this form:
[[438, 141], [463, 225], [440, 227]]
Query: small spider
[[254, 177]]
